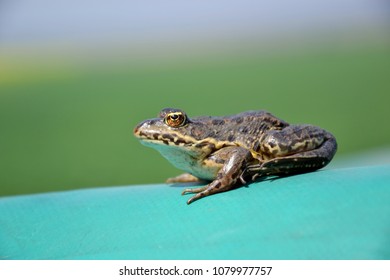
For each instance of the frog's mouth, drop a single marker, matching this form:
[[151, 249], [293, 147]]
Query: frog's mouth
[[164, 138]]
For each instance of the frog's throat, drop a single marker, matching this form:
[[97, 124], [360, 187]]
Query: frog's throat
[[188, 159]]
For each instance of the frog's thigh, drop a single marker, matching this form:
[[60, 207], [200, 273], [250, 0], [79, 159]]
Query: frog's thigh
[[292, 140], [296, 148]]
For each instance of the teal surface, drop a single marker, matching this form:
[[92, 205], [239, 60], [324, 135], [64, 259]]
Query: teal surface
[[329, 214]]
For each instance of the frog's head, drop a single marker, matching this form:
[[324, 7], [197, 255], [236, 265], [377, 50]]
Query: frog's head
[[171, 128], [182, 141]]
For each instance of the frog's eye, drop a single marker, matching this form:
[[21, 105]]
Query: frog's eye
[[175, 119]]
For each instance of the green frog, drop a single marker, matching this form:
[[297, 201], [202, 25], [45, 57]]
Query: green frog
[[230, 151]]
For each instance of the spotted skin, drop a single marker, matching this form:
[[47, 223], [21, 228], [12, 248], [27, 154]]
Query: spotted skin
[[232, 150]]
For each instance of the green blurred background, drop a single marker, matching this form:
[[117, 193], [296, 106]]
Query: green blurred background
[[68, 106]]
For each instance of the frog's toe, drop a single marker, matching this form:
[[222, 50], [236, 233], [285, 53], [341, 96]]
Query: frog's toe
[[195, 197], [205, 192], [194, 190]]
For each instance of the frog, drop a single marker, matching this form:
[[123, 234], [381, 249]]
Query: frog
[[231, 151]]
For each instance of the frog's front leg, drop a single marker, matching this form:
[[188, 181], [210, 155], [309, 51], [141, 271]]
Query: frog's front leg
[[184, 178], [234, 161], [294, 149]]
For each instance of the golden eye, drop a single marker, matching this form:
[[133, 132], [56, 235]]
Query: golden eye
[[175, 119]]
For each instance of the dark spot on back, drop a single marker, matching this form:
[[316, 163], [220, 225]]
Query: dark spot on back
[[239, 120], [244, 130], [231, 138], [218, 122]]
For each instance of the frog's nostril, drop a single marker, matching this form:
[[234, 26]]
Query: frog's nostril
[[136, 129]]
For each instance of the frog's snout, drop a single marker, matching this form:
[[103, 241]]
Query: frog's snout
[[137, 129], [142, 128]]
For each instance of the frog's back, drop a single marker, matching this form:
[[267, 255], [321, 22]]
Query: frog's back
[[242, 129]]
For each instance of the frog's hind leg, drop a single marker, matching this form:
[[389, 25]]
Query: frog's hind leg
[[295, 149]]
